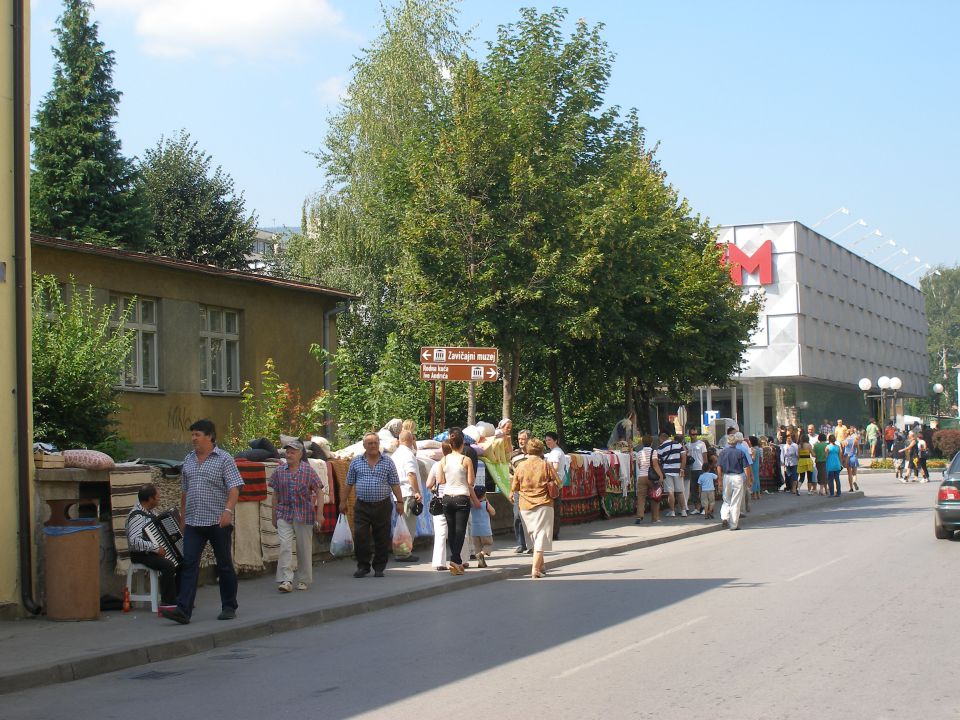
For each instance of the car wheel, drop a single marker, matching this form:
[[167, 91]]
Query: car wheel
[[941, 532]]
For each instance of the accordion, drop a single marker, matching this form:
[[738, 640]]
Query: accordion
[[164, 531]]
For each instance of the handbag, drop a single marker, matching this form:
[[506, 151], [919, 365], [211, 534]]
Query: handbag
[[553, 484], [436, 505], [652, 473], [656, 490]]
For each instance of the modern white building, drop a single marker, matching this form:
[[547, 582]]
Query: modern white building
[[830, 318]]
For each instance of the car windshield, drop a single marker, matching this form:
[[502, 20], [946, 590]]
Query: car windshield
[[954, 469]]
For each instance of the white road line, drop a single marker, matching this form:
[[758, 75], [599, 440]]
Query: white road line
[[628, 648], [819, 567]]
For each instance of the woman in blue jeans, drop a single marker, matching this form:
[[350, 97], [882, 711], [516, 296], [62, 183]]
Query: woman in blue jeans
[[833, 466], [456, 476]]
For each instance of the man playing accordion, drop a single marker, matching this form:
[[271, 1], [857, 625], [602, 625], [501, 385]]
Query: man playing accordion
[[146, 552]]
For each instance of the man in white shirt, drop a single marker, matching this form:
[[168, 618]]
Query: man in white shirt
[[408, 469], [558, 459], [696, 452]]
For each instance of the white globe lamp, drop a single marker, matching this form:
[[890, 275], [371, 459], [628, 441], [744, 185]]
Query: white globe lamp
[[865, 384], [883, 382], [895, 383], [937, 388]]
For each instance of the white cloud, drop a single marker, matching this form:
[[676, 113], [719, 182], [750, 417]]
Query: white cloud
[[178, 28], [332, 90]]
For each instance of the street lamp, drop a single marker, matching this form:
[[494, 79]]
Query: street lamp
[[861, 222], [875, 233], [821, 221], [937, 392], [895, 385], [891, 256], [886, 385]]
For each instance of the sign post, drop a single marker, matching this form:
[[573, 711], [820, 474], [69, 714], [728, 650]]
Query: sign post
[[458, 364]]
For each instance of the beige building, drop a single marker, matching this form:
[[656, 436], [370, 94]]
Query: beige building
[[16, 476], [200, 333]]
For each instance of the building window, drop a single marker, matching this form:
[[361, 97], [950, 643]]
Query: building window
[[140, 370], [219, 350]]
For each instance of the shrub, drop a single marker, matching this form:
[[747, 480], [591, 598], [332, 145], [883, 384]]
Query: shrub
[[78, 356], [947, 442], [277, 409]]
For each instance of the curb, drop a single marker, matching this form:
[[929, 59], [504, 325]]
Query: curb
[[133, 656]]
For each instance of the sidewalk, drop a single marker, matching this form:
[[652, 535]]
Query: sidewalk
[[37, 652]]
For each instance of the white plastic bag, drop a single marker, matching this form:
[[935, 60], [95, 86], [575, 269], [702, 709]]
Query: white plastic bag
[[341, 544], [402, 542]]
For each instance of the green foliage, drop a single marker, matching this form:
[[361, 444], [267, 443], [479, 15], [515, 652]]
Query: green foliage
[[942, 300], [196, 213], [78, 357], [367, 401], [81, 187], [947, 442], [277, 409], [506, 205]]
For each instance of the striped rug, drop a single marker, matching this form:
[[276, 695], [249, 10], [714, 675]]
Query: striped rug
[[124, 485]]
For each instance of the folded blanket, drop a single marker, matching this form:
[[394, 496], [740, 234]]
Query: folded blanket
[[254, 476], [124, 485]]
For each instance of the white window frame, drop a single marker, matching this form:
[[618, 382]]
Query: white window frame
[[219, 373], [142, 329]]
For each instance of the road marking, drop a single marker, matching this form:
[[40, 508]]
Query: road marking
[[819, 567], [628, 648]]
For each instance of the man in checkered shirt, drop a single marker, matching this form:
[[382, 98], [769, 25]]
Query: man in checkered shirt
[[210, 485], [375, 478]]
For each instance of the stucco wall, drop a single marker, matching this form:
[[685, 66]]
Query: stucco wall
[[275, 322], [9, 496]]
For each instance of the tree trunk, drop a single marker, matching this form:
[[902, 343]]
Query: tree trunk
[[511, 379], [555, 391], [643, 411], [472, 404]]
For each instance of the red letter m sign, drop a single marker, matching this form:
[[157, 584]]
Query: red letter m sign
[[761, 261]]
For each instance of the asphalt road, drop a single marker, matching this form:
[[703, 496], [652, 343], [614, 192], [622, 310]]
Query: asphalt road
[[848, 613]]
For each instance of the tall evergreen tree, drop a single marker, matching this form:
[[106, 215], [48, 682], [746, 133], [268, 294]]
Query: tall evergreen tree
[[195, 212], [81, 185]]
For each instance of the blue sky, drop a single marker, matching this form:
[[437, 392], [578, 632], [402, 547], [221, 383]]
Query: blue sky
[[762, 110]]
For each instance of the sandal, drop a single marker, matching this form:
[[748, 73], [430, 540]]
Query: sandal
[[536, 575], [456, 569], [285, 587]]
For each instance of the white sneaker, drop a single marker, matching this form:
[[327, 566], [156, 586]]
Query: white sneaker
[[285, 587], [683, 513], [669, 513], [903, 481]]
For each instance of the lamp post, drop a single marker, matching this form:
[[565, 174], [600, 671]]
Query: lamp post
[[861, 222], [887, 386], [821, 221], [895, 385], [874, 233], [937, 392]]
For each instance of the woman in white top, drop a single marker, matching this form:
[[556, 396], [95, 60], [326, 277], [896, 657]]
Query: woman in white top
[[456, 476], [439, 521]]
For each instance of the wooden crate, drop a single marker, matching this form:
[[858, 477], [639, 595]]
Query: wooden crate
[[45, 460]]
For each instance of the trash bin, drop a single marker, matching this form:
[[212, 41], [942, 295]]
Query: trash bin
[[72, 562]]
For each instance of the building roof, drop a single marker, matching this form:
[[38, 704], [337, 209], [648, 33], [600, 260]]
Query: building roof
[[187, 265]]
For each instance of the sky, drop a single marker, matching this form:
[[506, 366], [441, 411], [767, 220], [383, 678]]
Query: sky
[[762, 111]]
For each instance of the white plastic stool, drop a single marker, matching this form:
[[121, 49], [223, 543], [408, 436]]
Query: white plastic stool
[[152, 595]]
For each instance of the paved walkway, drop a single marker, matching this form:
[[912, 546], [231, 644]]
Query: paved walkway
[[36, 651]]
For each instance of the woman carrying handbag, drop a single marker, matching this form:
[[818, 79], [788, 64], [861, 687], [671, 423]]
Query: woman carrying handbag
[[537, 484]]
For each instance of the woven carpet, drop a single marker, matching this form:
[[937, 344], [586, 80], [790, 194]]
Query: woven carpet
[[579, 498], [124, 485]]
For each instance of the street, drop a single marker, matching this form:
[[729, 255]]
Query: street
[[844, 613]]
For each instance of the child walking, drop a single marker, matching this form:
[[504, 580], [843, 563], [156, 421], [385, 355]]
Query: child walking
[[482, 530], [707, 480]]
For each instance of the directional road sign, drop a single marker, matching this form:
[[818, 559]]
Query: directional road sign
[[459, 356], [466, 373]]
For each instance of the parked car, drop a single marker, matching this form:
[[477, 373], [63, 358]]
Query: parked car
[[946, 515]]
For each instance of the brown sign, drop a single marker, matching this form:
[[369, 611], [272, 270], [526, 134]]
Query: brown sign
[[459, 356], [465, 373]]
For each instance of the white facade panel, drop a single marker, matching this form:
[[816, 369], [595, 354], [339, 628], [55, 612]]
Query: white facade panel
[[829, 315]]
